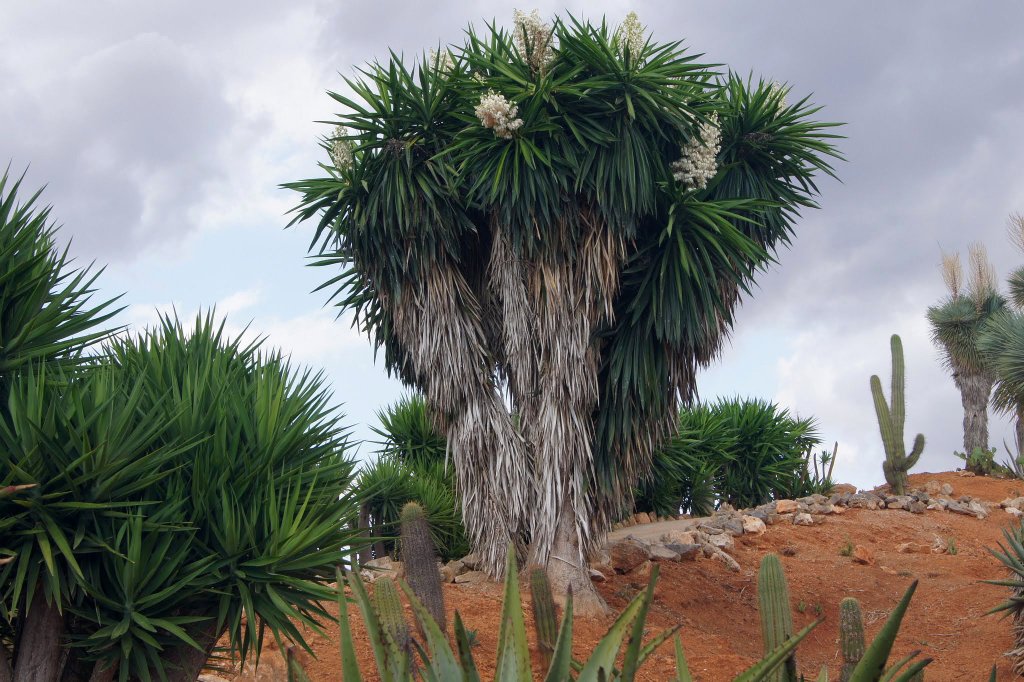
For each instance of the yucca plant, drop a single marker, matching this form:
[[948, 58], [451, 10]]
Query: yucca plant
[[956, 325], [190, 486], [565, 215]]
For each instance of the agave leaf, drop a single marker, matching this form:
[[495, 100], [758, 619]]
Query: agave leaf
[[349, 666], [915, 668], [602, 658], [372, 624], [442, 661], [469, 672], [872, 664], [561, 657], [895, 668], [513, 660], [770, 663], [682, 667], [631, 660]]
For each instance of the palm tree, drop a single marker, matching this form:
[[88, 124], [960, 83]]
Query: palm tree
[[956, 325], [547, 232]]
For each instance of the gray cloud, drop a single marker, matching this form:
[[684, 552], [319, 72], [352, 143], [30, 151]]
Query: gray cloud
[[149, 121]]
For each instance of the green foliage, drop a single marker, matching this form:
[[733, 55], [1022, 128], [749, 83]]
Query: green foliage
[[46, 309], [406, 221], [744, 452], [891, 419], [983, 462], [189, 486], [1011, 555], [411, 467], [847, 548], [419, 558]]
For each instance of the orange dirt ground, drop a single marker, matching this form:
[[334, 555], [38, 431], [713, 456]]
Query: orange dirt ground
[[718, 609]]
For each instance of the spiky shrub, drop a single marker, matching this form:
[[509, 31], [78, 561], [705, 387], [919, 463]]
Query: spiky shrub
[[891, 417], [741, 451], [411, 466], [574, 221], [190, 487], [420, 561], [956, 325], [1011, 555], [851, 636]]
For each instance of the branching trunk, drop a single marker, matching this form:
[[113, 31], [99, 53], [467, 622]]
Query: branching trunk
[[975, 389], [39, 651]]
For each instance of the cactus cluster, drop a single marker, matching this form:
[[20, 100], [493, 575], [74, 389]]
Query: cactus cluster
[[860, 663], [891, 418]]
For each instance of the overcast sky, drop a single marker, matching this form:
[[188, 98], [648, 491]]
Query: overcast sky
[[162, 132]]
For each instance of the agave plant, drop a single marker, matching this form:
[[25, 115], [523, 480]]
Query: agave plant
[[1012, 556], [565, 216]]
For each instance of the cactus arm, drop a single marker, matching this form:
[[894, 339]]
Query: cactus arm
[[915, 453], [898, 401]]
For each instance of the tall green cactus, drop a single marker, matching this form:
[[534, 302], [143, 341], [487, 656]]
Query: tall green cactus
[[776, 616], [545, 620], [851, 636], [891, 418], [394, 629], [420, 557]]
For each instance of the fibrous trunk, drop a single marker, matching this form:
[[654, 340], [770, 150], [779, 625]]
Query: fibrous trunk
[[975, 389], [184, 662], [39, 654]]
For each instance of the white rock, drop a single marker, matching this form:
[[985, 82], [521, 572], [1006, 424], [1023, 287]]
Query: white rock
[[752, 524], [803, 519]]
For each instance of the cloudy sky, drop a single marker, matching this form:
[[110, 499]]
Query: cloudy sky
[[162, 132]]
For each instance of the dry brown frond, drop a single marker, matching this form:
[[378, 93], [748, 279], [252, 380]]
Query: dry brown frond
[[952, 273], [1015, 228], [983, 275]]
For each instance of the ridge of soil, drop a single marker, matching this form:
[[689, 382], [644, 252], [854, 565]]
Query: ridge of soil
[[717, 609]]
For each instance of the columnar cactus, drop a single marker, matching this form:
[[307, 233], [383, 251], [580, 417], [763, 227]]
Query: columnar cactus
[[891, 417], [776, 617], [394, 630], [420, 557], [851, 636], [545, 621]]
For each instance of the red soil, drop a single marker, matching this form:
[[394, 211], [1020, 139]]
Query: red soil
[[718, 609]]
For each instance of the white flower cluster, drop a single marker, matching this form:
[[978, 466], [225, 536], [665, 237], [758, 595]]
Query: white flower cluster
[[777, 92], [533, 39], [631, 36], [441, 61], [498, 114], [699, 162], [341, 149]]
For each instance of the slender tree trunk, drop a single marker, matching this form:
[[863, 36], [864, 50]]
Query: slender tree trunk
[[186, 662], [567, 567], [366, 552], [39, 652], [975, 390], [1019, 429], [6, 673]]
